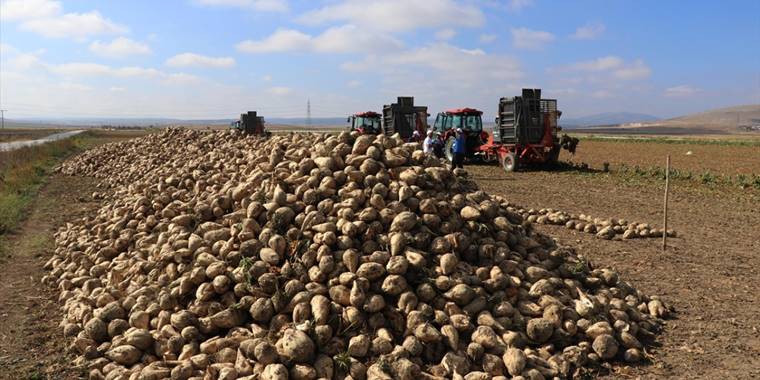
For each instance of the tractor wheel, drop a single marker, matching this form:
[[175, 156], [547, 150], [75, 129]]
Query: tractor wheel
[[448, 149], [509, 163]]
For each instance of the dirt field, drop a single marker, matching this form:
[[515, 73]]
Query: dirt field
[[728, 157], [709, 273]]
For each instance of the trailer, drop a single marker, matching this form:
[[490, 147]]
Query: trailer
[[404, 118], [251, 124], [526, 131]]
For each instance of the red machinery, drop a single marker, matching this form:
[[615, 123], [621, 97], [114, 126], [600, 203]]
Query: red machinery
[[366, 122], [525, 131], [467, 119]]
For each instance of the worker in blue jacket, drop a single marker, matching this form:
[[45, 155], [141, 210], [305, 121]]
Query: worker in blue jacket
[[459, 150]]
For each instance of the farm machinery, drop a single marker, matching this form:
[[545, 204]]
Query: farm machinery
[[250, 124], [525, 132], [469, 121], [406, 119], [366, 123]]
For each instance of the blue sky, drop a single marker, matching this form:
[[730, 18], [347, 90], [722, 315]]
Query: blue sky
[[216, 58]]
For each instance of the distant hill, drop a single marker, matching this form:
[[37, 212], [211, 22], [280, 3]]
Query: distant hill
[[730, 120], [607, 118], [730, 117]]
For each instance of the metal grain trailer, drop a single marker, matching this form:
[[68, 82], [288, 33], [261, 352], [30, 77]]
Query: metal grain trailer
[[404, 118], [526, 130], [250, 123]]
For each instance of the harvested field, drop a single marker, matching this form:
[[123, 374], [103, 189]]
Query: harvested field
[[722, 157]]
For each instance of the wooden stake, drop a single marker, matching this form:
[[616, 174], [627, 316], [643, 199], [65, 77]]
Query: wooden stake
[[665, 211]]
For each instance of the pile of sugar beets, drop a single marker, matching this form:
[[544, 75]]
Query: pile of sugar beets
[[603, 228], [305, 256]]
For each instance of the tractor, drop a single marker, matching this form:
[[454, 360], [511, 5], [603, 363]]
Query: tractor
[[406, 119], [366, 123], [467, 119], [250, 124]]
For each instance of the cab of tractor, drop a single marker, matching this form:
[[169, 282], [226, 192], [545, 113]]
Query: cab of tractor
[[469, 120], [366, 123]]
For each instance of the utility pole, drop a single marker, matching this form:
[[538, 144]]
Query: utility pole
[[308, 112], [2, 119]]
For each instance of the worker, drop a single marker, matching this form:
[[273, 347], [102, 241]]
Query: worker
[[427, 144], [415, 136], [458, 150]]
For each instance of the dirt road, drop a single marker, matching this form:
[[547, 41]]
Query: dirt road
[[31, 343]]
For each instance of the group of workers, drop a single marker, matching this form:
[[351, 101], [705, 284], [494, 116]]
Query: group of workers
[[433, 146]]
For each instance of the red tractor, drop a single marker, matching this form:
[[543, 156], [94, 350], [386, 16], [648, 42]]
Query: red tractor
[[525, 132], [467, 119], [366, 123]]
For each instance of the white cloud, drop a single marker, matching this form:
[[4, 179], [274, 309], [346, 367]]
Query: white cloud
[[589, 31], [28, 9], [87, 69], [524, 38], [279, 91], [350, 38], [76, 26], [117, 89], [339, 39], [487, 38], [616, 67], [267, 78], [353, 83], [181, 78], [280, 41], [599, 64], [259, 5], [602, 94], [445, 34], [681, 91], [71, 86], [119, 48], [453, 63], [517, 5], [6, 49], [637, 70], [397, 15], [192, 59]]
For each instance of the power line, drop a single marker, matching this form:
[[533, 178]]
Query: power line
[[308, 111]]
